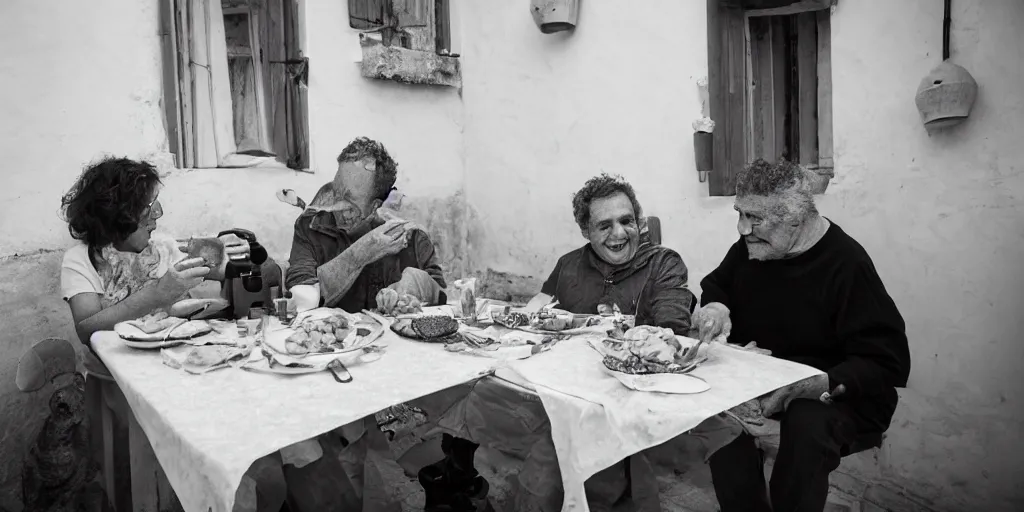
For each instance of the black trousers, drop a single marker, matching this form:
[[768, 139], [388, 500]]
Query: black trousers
[[814, 438]]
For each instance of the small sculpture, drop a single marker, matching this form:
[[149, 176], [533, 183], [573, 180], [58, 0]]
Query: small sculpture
[[59, 474]]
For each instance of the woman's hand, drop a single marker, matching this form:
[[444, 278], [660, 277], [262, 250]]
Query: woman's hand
[[236, 247], [180, 278]]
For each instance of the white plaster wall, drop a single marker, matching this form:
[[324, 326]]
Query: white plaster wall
[[943, 220], [420, 126], [78, 79], [940, 215], [546, 112]]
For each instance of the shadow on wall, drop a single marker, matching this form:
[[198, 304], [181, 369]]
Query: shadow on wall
[[444, 220], [32, 310]]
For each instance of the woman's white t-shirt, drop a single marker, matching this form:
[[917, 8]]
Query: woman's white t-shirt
[[77, 273], [125, 273]]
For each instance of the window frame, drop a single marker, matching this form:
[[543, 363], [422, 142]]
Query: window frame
[[735, 95]]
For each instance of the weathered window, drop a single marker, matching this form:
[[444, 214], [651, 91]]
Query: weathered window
[[422, 25], [254, 111], [771, 90]]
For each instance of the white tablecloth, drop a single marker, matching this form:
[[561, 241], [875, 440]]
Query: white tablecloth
[[596, 421], [206, 430]]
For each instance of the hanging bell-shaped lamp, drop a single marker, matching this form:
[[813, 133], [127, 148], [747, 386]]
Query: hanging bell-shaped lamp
[[946, 95], [555, 15]]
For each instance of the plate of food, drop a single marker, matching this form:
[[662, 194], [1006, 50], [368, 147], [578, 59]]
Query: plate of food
[[206, 358], [198, 309], [647, 358], [552, 320], [267, 361], [438, 328], [324, 332], [159, 330], [392, 303]]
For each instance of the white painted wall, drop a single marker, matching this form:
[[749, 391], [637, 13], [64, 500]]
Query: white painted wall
[[546, 112], [943, 219], [75, 84], [940, 215], [540, 114]]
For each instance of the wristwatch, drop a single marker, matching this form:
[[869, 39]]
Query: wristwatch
[[826, 398]]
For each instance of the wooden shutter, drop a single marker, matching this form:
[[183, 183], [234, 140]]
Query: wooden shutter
[[412, 13], [727, 88], [366, 14]]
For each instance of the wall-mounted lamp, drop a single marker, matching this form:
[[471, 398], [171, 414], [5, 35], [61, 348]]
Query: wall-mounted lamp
[[555, 15], [946, 95]]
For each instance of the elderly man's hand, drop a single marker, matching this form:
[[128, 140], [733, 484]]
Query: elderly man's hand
[[385, 240], [712, 321], [778, 401], [419, 284]]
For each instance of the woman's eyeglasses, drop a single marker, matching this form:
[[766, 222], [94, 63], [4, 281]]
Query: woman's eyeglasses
[[153, 210]]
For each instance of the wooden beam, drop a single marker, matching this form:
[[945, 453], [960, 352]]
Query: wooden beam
[[762, 89], [825, 160], [728, 88], [186, 85], [794, 8], [443, 30], [781, 83], [807, 87], [172, 110]]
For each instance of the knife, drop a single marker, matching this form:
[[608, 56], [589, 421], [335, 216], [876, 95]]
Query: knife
[[339, 371]]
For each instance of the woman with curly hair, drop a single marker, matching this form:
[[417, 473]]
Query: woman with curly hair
[[121, 271]]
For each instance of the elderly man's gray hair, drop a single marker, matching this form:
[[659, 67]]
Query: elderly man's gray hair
[[785, 180]]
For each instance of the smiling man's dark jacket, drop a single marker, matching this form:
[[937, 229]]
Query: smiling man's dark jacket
[[652, 286]]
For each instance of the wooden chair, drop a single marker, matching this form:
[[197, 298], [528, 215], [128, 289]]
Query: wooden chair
[[653, 230]]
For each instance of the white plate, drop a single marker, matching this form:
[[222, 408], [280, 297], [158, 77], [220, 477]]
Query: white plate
[[205, 307], [264, 367], [153, 345], [129, 332], [430, 311], [276, 335], [259, 364], [673, 383]]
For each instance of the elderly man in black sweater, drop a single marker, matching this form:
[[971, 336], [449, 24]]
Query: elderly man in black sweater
[[799, 286]]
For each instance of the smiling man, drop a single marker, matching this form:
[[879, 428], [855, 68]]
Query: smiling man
[[799, 286], [618, 266]]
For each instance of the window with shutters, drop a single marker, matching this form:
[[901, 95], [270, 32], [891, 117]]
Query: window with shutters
[[422, 25], [770, 86]]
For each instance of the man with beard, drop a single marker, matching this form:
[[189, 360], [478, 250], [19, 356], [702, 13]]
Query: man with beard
[[802, 288], [344, 251]]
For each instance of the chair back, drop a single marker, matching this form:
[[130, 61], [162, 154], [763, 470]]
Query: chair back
[[653, 230]]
